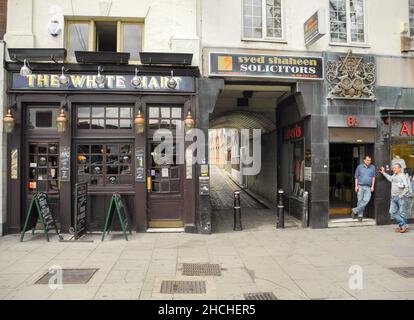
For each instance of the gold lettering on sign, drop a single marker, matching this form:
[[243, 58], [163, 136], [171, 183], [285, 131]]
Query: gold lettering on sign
[[78, 81], [164, 81], [54, 81], [110, 81], [120, 82], [43, 80], [178, 83], [31, 79], [144, 82], [153, 83], [90, 82]]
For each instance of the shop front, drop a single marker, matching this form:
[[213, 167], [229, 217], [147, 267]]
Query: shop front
[[402, 148], [351, 138], [105, 137], [297, 160]]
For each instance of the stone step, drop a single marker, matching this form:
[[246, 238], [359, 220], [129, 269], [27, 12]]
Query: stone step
[[349, 222], [165, 230]]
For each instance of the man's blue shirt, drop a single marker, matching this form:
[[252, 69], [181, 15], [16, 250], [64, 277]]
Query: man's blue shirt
[[365, 174]]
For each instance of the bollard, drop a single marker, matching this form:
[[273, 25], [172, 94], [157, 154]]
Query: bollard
[[237, 212], [280, 211]]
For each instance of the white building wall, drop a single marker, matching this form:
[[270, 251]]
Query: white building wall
[[222, 26], [221, 30], [170, 26]]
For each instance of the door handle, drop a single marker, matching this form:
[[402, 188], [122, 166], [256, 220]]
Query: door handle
[[149, 182]]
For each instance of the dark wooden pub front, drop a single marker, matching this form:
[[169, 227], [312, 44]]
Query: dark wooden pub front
[[100, 145]]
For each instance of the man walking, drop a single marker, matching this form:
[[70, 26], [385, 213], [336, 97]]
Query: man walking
[[399, 196], [364, 186]]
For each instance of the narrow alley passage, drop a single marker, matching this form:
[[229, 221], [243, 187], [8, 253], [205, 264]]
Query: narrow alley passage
[[222, 190]]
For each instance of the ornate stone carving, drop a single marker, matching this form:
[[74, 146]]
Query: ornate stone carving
[[351, 78]]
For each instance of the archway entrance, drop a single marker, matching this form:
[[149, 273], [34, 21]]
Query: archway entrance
[[241, 106]]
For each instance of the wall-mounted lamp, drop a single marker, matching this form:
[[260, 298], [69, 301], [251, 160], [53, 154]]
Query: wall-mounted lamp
[[63, 78], [172, 83], [136, 80], [8, 120], [139, 122], [100, 79], [62, 120], [25, 70], [189, 121]]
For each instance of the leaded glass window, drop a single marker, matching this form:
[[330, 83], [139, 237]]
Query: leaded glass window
[[104, 165]]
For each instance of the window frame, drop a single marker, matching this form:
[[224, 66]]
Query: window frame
[[46, 167], [349, 41], [52, 108], [92, 33], [160, 118], [104, 130], [264, 37], [79, 177]]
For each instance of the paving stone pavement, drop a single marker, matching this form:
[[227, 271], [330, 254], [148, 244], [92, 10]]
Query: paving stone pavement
[[222, 192], [292, 263]]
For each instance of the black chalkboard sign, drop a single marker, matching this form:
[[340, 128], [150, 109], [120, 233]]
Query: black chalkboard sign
[[81, 209], [139, 164], [39, 209], [64, 161], [116, 205]]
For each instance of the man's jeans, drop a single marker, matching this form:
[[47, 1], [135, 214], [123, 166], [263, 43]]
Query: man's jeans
[[364, 195], [399, 210]]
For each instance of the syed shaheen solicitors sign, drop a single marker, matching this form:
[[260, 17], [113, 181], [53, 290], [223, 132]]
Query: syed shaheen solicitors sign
[[265, 65]]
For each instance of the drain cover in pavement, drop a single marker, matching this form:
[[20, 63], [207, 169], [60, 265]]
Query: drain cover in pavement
[[406, 272], [69, 276], [190, 287], [260, 296], [201, 269]]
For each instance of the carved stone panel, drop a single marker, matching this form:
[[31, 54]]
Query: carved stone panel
[[349, 77]]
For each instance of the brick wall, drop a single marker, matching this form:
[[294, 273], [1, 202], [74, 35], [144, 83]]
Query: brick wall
[[3, 18]]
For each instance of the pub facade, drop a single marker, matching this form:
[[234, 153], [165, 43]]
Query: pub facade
[[105, 138]]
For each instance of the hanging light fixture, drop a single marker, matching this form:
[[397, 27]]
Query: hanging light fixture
[[9, 121], [189, 121], [25, 70], [63, 78], [62, 120], [139, 122], [172, 83], [100, 79], [136, 80]]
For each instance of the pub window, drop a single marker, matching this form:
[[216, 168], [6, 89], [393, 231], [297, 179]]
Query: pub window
[[262, 19], [165, 174], [104, 117], [103, 165], [42, 118], [411, 16], [43, 167], [114, 36], [347, 21], [164, 117]]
